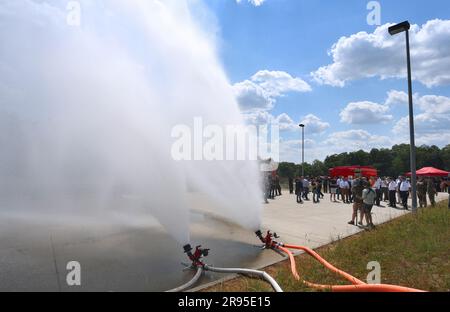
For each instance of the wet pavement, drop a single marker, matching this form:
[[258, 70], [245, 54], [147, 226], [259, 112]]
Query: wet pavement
[[34, 253]]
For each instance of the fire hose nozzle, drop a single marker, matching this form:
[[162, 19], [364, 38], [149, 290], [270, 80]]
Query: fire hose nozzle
[[260, 236], [187, 248], [197, 255]]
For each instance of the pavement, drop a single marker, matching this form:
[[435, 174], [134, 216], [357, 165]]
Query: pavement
[[34, 252]]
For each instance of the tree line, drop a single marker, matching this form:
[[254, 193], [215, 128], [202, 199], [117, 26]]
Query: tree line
[[389, 162]]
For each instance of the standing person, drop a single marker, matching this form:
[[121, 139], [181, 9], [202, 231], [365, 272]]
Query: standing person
[[272, 186], [345, 189], [385, 189], [333, 190], [278, 185], [350, 194], [357, 191], [338, 190], [299, 190], [422, 193], [315, 191], [392, 186], [369, 197], [377, 186], [291, 185], [319, 188], [404, 188], [326, 183], [306, 186], [399, 197], [431, 190]]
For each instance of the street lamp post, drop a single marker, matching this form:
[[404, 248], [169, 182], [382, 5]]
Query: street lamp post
[[303, 149], [393, 30]]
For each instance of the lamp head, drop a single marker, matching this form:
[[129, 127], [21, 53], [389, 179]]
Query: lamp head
[[301, 125], [396, 29]]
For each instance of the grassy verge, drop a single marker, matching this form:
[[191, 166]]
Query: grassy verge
[[413, 251]]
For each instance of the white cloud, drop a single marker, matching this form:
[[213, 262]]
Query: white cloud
[[251, 96], [430, 103], [290, 150], [338, 142], [434, 104], [431, 129], [285, 122], [253, 2], [396, 97], [378, 54], [314, 124], [261, 91], [258, 118], [276, 83], [432, 125], [355, 140], [365, 113]]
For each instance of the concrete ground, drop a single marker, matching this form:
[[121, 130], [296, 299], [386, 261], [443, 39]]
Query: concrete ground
[[34, 253]]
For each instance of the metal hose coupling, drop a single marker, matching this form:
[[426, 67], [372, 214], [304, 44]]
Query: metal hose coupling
[[196, 257]]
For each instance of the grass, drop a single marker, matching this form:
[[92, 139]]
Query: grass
[[413, 251]]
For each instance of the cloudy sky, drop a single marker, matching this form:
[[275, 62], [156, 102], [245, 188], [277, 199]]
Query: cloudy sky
[[322, 64]]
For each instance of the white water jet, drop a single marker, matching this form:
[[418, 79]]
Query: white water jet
[[86, 113]]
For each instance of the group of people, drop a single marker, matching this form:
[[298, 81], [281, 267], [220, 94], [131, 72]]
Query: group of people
[[271, 187], [363, 193], [304, 186]]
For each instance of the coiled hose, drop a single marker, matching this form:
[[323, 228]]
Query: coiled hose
[[191, 283], [260, 274]]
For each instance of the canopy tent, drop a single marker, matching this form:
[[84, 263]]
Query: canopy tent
[[430, 172], [365, 171]]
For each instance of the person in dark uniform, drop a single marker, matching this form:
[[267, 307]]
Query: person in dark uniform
[[319, 188], [299, 190], [271, 186], [291, 185], [431, 190], [422, 193], [326, 182], [277, 186], [357, 191]]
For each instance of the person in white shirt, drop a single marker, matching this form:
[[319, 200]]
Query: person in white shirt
[[399, 198], [345, 190], [404, 188], [338, 192], [392, 186], [306, 185], [377, 187], [384, 189]]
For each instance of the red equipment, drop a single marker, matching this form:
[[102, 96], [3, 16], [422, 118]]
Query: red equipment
[[197, 255], [365, 171]]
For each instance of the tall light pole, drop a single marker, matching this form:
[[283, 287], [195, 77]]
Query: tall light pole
[[303, 148], [393, 30]]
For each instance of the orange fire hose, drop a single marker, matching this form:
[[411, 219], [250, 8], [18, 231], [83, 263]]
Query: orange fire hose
[[328, 265], [359, 286]]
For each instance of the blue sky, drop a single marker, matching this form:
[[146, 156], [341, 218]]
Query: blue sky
[[296, 37]]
